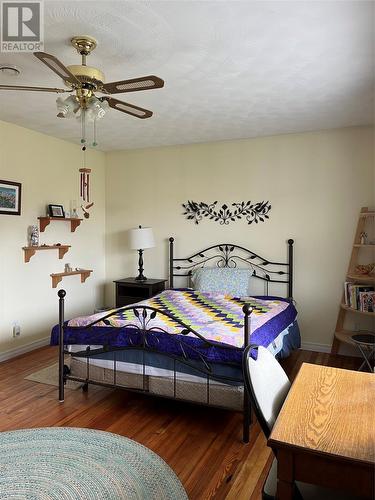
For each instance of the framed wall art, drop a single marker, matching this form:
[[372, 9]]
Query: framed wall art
[[56, 211], [10, 198]]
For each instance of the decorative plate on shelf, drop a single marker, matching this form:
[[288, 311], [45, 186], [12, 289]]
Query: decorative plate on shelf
[[365, 269]]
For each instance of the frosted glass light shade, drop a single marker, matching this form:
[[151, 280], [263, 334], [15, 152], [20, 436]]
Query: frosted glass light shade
[[141, 238], [67, 107]]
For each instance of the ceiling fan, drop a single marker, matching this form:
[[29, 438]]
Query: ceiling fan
[[84, 82]]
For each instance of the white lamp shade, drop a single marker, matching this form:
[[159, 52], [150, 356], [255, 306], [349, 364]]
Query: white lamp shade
[[141, 238]]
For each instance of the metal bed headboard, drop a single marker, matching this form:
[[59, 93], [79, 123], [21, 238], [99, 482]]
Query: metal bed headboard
[[231, 256]]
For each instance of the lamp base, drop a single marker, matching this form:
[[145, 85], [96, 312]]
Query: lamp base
[[140, 277]]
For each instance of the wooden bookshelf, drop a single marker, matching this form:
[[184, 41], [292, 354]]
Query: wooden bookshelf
[[30, 251], [45, 221], [342, 334], [57, 277]]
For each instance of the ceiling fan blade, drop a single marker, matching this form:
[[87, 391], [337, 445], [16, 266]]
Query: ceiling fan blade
[[130, 109], [33, 89], [57, 66], [142, 83]]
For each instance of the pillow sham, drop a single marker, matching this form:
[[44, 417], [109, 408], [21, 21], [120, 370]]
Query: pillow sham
[[229, 281]]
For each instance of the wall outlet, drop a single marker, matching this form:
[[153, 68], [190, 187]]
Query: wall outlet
[[16, 330]]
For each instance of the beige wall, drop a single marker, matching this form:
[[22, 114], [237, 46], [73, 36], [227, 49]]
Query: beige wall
[[48, 170], [316, 183]]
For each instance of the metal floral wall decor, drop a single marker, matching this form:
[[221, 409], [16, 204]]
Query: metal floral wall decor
[[252, 212]]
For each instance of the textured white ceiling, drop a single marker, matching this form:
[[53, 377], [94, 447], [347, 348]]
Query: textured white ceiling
[[232, 69]]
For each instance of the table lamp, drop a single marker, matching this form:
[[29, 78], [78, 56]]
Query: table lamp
[[140, 239]]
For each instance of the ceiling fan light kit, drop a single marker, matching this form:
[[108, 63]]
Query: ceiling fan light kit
[[83, 83]]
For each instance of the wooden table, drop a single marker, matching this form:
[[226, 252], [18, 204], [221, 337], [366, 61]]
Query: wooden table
[[325, 432]]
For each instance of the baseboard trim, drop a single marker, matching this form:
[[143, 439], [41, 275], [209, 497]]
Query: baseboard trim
[[310, 346], [344, 349], [17, 351]]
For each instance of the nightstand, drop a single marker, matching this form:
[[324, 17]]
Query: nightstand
[[129, 290]]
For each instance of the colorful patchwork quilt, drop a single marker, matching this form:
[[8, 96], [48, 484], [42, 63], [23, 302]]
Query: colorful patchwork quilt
[[216, 317]]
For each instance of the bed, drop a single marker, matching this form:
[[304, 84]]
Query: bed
[[185, 343]]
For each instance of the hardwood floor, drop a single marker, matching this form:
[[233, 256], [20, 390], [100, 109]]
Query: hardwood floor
[[202, 445]]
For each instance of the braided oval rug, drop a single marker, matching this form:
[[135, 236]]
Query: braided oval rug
[[64, 463]]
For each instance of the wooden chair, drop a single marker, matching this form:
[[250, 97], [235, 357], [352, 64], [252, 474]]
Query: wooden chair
[[268, 385]]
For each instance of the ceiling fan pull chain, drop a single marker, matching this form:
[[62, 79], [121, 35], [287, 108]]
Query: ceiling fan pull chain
[[83, 169], [95, 142], [83, 127]]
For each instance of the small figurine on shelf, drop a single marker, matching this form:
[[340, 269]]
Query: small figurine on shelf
[[68, 268], [34, 236], [363, 238], [73, 209]]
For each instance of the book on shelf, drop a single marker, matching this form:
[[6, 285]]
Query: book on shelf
[[346, 292], [354, 299], [367, 301]]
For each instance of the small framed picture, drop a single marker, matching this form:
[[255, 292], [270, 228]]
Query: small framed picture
[[10, 198], [56, 211]]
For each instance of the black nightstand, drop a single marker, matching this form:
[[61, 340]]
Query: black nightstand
[[129, 290]]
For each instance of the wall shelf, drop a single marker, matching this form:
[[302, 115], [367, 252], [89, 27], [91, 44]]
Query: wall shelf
[[57, 277], [347, 308], [358, 245], [44, 222], [30, 251], [362, 278]]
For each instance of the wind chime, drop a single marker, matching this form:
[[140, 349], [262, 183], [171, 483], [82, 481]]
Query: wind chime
[[85, 191], [84, 171]]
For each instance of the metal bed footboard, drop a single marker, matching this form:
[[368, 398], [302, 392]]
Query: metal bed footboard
[[144, 337]]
